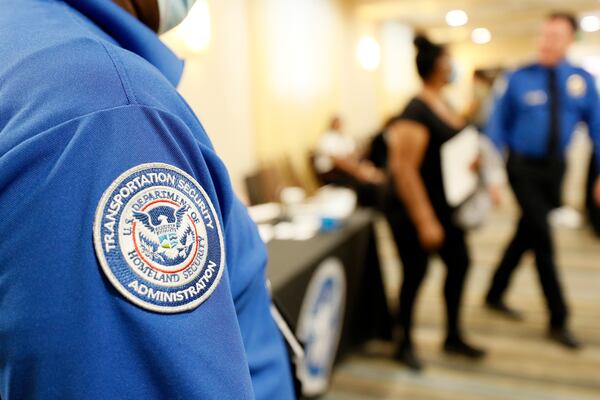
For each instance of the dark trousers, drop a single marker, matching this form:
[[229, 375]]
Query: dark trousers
[[593, 209], [415, 262], [537, 187]]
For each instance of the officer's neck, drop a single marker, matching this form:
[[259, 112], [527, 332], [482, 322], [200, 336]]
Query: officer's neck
[[552, 64], [434, 87], [145, 11]]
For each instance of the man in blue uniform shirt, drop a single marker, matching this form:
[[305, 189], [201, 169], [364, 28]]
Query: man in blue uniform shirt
[[128, 268], [534, 119]]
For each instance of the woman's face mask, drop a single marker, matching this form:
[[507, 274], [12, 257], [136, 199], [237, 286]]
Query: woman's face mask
[[453, 73], [172, 12], [447, 68]]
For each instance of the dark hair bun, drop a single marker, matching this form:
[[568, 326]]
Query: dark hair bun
[[427, 55], [422, 43]]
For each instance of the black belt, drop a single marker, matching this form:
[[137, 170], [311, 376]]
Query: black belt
[[542, 162]]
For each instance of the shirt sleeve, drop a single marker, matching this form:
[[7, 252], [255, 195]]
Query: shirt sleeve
[[263, 343], [416, 111], [498, 124], [66, 330], [592, 116]]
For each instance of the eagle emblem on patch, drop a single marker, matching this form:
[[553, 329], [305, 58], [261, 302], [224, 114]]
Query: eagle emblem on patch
[[158, 239], [164, 234]]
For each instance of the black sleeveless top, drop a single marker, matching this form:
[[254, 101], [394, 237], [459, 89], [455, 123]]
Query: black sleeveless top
[[431, 167]]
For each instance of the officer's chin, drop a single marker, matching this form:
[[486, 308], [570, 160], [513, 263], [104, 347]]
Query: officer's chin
[[548, 60]]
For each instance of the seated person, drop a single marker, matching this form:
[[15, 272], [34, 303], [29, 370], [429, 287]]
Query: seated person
[[337, 162]]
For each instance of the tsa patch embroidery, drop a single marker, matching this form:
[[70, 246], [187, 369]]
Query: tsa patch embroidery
[[158, 239], [576, 86]]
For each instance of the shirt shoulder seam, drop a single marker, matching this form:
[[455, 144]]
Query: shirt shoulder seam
[[114, 59], [105, 110], [118, 107]]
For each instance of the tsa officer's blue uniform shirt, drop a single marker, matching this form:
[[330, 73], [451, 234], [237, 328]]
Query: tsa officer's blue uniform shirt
[[521, 118], [128, 269]]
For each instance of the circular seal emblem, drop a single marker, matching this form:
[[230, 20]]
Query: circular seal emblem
[[158, 239], [320, 325], [576, 86]]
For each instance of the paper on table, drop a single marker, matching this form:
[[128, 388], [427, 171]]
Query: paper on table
[[458, 155]]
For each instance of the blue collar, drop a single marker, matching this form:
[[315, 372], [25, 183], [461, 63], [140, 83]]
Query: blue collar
[[131, 34]]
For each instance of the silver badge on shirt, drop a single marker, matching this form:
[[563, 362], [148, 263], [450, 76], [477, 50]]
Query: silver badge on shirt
[[536, 97]]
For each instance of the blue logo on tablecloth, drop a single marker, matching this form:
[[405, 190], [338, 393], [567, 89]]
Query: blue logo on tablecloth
[[320, 325]]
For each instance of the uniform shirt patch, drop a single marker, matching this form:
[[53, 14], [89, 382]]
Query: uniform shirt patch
[[576, 86], [158, 239]]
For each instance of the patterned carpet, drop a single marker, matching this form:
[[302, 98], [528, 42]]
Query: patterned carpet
[[522, 364]]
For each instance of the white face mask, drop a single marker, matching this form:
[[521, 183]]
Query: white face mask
[[172, 12]]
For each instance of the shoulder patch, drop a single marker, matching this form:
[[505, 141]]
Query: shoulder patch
[[158, 239], [576, 85]]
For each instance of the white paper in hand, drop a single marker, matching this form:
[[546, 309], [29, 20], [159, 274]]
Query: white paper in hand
[[458, 155]]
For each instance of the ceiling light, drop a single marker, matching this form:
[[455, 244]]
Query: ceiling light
[[457, 18], [368, 53], [481, 36], [590, 23]]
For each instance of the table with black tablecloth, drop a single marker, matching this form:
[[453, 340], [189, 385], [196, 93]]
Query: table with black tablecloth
[[292, 264]]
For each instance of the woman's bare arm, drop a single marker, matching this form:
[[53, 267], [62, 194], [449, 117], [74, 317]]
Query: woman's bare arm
[[408, 144]]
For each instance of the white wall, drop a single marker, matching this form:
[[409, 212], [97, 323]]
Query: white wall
[[216, 84], [399, 78], [274, 73], [304, 71], [358, 101]]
